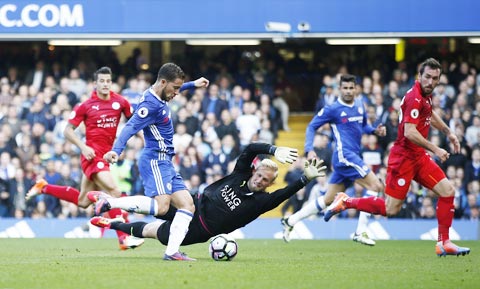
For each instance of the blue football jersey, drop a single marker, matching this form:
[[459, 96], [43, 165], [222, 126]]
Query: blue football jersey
[[153, 116], [348, 123]]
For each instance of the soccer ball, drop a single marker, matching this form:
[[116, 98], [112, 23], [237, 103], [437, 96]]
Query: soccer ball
[[223, 248]]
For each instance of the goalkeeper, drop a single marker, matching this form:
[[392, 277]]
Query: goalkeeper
[[229, 203]]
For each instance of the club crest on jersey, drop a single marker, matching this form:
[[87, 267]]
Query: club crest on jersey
[[401, 182], [414, 113], [100, 165], [115, 105], [360, 110], [143, 112]]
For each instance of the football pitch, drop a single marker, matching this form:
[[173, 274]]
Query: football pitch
[[97, 263]]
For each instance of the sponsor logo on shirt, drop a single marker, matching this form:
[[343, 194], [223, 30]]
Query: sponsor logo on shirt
[[230, 197]]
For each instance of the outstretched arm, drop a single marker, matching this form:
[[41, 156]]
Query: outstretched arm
[[313, 168]]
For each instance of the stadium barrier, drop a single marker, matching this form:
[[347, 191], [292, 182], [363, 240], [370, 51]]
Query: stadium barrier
[[264, 228]]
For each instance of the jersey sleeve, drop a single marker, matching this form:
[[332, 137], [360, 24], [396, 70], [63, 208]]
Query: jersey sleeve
[[321, 118], [127, 108], [412, 107], [77, 115], [244, 162]]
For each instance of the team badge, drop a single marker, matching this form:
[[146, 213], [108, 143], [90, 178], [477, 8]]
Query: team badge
[[414, 113], [72, 114], [115, 105], [360, 110], [401, 182], [169, 186], [100, 165], [320, 112], [142, 112]]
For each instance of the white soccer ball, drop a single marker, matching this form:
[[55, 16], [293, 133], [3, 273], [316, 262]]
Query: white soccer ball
[[223, 248]]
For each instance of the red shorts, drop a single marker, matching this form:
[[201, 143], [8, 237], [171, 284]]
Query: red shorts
[[98, 164], [402, 170]]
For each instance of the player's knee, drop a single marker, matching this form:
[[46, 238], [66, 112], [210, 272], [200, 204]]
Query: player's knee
[[391, 210]]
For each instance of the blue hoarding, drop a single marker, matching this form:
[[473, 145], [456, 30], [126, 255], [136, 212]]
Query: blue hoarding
[[128, 17]]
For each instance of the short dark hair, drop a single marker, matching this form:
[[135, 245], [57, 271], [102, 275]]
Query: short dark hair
[[102, 70], [170, 72], [347, 78], [432, 63]]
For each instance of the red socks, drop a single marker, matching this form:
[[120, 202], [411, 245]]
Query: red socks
[[373, 205], [68, 194], [445, 211]]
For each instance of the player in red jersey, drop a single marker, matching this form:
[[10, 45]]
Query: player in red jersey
[[101, 115], [409, 161]]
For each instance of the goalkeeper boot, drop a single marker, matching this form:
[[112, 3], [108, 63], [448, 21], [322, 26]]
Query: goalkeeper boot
[[287, 229], [103, 222], [130, 242], [448, 248], [36, 189], [336, 207], [363, 238]]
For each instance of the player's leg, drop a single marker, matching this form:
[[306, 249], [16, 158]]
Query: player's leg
[[65, 193], [374, 186], [434, 178], [182, 200], [311, 208], [136, 229], [104, 181]]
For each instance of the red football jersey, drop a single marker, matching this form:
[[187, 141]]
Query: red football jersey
[[101, 118], [417, 109]]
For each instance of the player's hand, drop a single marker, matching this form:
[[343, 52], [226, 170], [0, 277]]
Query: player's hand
[[381, 130], [88, 153], [201, 82], [111, 157], [314, 168], [311, 155], [442, 154], [286, 154], [454, 140]]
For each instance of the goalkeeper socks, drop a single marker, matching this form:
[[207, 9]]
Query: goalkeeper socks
[[134, 229], [135, 204], [311, 208], [114, 213], [445, 211], [68, 194], [178, 230]]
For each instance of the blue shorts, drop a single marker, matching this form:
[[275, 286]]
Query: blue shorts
[[159, 177], [346, 171]]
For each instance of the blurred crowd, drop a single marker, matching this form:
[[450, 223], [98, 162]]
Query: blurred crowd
[[247, 101]]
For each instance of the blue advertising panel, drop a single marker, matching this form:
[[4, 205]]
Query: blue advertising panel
[[263, 228], [189, 17]]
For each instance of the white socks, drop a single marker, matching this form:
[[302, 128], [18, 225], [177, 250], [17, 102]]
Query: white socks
[[136, 204], [309, 209], [178, 230]]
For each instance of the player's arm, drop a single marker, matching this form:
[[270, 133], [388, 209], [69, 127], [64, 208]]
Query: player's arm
[[321, 118], [413, 135], [312, 169], [439, 124], [200, 82], [137, 122], [71, 136]]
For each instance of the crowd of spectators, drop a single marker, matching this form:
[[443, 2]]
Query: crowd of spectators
[[243, 104]]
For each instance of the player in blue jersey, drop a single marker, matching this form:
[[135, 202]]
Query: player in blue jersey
[[163, 185], [348, 120]]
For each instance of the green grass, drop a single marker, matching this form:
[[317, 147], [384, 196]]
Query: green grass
[[96, 263]]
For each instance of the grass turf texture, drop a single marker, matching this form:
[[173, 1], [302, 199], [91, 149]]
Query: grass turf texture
[[97, 263]]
